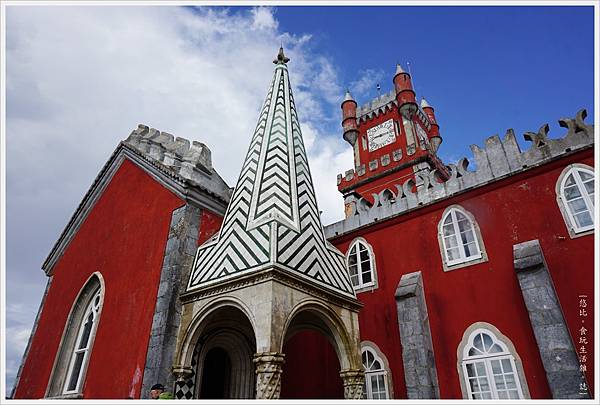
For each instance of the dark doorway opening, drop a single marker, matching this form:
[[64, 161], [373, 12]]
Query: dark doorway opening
[[216, 375]]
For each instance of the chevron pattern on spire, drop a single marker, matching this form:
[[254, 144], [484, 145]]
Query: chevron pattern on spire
[[273, 218]]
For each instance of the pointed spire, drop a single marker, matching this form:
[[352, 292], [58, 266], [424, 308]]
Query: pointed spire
[[399, 69], [281, 58], [424, 103], [348, 96], [272, 219]]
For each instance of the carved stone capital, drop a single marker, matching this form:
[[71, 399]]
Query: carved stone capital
[[182, 373], [268, 374], [353, 380]]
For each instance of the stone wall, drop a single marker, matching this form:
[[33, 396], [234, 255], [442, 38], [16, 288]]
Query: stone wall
[[177, 262]]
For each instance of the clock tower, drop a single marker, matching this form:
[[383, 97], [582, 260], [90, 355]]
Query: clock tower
[[393, 139]]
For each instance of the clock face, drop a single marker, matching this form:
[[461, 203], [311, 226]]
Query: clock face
[[381, 135]]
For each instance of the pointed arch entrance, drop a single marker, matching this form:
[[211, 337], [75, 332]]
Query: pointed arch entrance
[[318, 351], [221, 346]]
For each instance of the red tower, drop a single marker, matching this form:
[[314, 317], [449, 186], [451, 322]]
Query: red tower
[[393, 139]]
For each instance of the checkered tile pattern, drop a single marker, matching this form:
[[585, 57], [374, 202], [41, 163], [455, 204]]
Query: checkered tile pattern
[[185, 389]]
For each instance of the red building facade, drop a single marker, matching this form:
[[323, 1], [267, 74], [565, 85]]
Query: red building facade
[[474, 283], [461, 245]]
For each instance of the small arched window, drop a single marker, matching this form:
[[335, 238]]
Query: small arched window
[[361, 264], [576, 198], [68, 375], [376, 384], [459, 236], [489, 368]]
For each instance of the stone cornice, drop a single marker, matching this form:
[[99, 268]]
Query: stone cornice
[[271, 273]]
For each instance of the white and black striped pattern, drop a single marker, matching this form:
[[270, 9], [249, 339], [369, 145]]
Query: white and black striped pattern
[[273, 216]]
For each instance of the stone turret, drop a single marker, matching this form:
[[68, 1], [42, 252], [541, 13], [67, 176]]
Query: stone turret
[[405, 95], [349, 119], [434, 132]]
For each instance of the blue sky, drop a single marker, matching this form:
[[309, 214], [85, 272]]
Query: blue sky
[[79, 79], [484, 69]]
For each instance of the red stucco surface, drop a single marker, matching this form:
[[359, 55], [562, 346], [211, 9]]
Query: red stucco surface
[[124, 239], [518, 209], [210, 223], [311, 369]]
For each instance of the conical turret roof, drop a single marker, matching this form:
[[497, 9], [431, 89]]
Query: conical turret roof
[[273, 219], [348, 96]]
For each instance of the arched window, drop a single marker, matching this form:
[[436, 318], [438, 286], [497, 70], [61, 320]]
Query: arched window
[[488, 367], [575, 194], [460, 239], [82, 347], [72, 359], [361, 264], [376, 384]]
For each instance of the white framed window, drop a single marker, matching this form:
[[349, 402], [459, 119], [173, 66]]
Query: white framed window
[[376, 376], [81, 352], [361, 264], [488, 368], [460, 238], [575, 195], [71, 362]]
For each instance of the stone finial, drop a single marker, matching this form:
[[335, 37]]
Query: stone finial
[[540, 138], [281, 58]]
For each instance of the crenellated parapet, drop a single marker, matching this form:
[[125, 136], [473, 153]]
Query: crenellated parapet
[[497, 159], [190, 161]]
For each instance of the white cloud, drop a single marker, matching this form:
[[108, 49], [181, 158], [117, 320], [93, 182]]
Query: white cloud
[[366, 84], [79, 79]]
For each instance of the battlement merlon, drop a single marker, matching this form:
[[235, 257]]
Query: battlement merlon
[[190, 161], [351, 179], [497, 159]]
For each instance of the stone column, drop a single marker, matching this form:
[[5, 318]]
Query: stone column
[[420, 373], [182, 374], [268, 374], [177, 262], [559, 356], [354, 381]]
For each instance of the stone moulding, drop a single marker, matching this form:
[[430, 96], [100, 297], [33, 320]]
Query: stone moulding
[[497, 159], [271, 272]]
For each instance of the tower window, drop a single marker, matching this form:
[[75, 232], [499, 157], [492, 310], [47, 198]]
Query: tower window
[[488, 367], [575, 196], [376, 382], [361, 265]]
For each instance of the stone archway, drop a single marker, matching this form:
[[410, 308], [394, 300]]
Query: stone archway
[[312, 315], [224, 333]]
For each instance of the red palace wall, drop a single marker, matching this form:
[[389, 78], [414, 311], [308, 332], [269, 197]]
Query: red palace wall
[[210, 223], [518, 209], [311, 369], [123, 238]]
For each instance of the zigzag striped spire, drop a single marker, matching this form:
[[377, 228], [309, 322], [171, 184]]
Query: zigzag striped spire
[[273, 218]]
